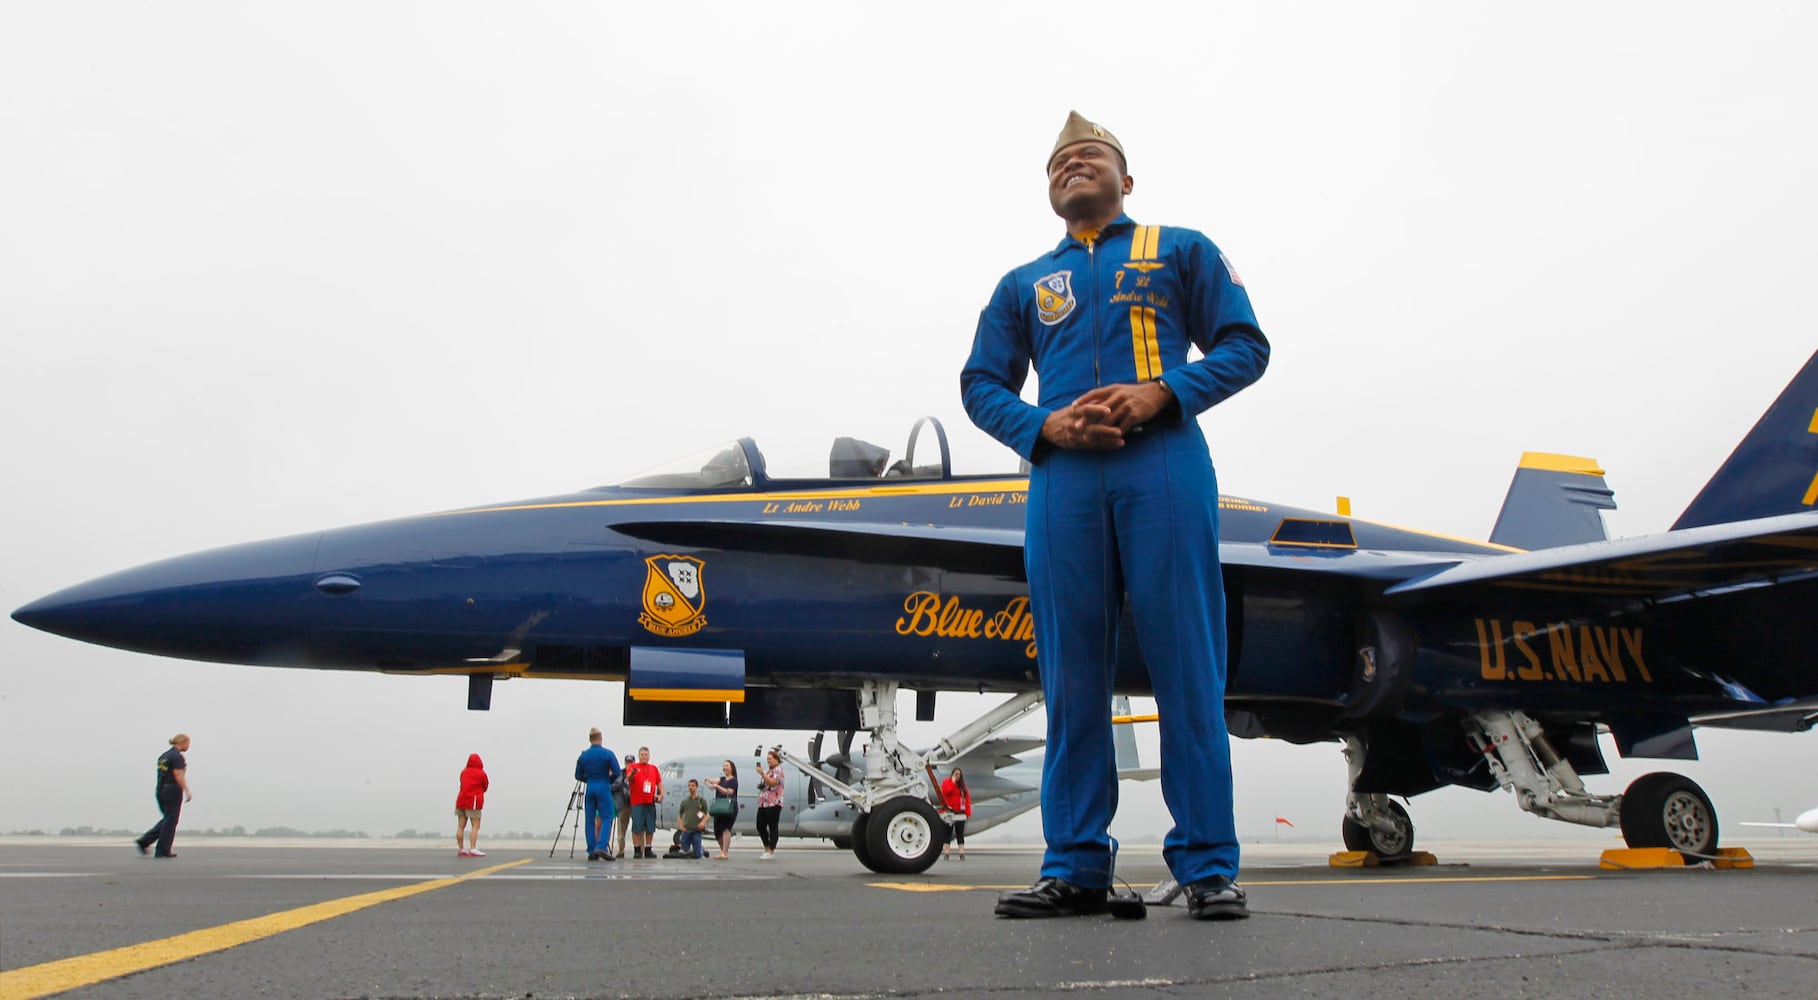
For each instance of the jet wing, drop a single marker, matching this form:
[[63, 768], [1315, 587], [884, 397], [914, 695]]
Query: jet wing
[[1368, 564], [996, 754], [1000, 747], [993, 770], [1787, 717], [1676, 565]]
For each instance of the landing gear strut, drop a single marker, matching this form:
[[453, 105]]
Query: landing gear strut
[[1373, 822], [1662, 809], [899, 830]]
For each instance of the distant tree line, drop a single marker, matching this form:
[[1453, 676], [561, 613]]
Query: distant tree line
[[269, 831]]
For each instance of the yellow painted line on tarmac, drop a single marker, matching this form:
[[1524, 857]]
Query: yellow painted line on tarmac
[[86, 970], [1415, 880], [1251, 883]]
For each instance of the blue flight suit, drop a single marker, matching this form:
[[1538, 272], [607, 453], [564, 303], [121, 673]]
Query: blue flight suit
[[599, 768], [1140, 521]]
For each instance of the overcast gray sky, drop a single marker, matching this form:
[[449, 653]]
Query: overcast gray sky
[[268, 268]]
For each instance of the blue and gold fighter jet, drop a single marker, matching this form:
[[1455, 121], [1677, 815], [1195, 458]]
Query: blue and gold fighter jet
[[721, 596]]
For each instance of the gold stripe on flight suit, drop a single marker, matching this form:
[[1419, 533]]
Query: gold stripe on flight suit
[[1144, 343], [1155, 362], [1142, 333], [1145, 243]]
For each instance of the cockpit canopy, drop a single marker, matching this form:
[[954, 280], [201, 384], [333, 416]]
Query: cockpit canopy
[[739, 464], [718, 467]]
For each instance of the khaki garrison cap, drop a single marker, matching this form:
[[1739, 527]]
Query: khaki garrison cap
[[1078, 130]]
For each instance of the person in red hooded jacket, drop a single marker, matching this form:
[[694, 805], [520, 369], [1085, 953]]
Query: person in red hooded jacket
[[468, 804], [958, 799]]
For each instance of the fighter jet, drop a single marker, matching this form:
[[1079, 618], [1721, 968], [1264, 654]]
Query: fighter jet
[[721, 596]]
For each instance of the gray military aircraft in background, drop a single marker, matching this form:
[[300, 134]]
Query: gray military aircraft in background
[[1806, 822]]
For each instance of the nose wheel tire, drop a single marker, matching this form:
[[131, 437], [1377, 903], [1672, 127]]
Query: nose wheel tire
[[861, 847], [1664, 809], [901, 837], [1390, 844]]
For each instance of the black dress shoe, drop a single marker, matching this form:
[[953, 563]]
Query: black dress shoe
[[143, 848], [1052, 897], [1217, 898]]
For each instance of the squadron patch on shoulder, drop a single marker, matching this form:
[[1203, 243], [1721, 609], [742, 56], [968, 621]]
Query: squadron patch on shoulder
[[1054, 297], [1232, 271], [673, 598]]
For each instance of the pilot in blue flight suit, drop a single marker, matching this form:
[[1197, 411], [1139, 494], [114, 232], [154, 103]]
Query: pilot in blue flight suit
[[599, 768], [1123, 500]]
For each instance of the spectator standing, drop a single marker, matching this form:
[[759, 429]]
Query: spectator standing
[[959, 803], [621, 803], [726, 786], [468, 803], [770, 802], [646, 787]]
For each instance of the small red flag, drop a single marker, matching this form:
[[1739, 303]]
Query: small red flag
[[1283, 819]]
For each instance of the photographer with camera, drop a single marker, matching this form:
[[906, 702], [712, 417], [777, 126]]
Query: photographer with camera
[[770, 802], [621, 804]]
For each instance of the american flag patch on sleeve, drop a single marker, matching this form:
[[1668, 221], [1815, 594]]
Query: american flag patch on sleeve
[[1232, 271]]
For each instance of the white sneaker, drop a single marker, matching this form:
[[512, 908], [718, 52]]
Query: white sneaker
[[476, 854], [462, 854], [767, 856]]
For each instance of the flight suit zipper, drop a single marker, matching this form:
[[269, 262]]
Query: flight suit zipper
[[1098, 379]]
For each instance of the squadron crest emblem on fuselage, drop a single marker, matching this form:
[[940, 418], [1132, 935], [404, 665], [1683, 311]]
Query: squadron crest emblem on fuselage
[[674, 600]]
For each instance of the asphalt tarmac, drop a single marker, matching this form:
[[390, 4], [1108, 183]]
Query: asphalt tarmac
[[408, 919]]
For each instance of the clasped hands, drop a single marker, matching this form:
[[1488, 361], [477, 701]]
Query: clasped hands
[[1100, 419]]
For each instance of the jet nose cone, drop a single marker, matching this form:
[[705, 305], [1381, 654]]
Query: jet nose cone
[[243, 604], [47, 614]]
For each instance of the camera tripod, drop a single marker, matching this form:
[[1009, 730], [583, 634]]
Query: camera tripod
[[577, 807]]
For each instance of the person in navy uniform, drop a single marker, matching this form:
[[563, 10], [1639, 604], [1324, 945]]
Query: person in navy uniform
[[172, 791], [1123, 506], [598, 767]]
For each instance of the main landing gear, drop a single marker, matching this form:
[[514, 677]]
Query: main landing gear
[[900, 830], [1373, 822], [1662, 809]]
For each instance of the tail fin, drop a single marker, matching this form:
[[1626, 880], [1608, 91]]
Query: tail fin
[[1775, 468], [1553, 500], [1123, 740]]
